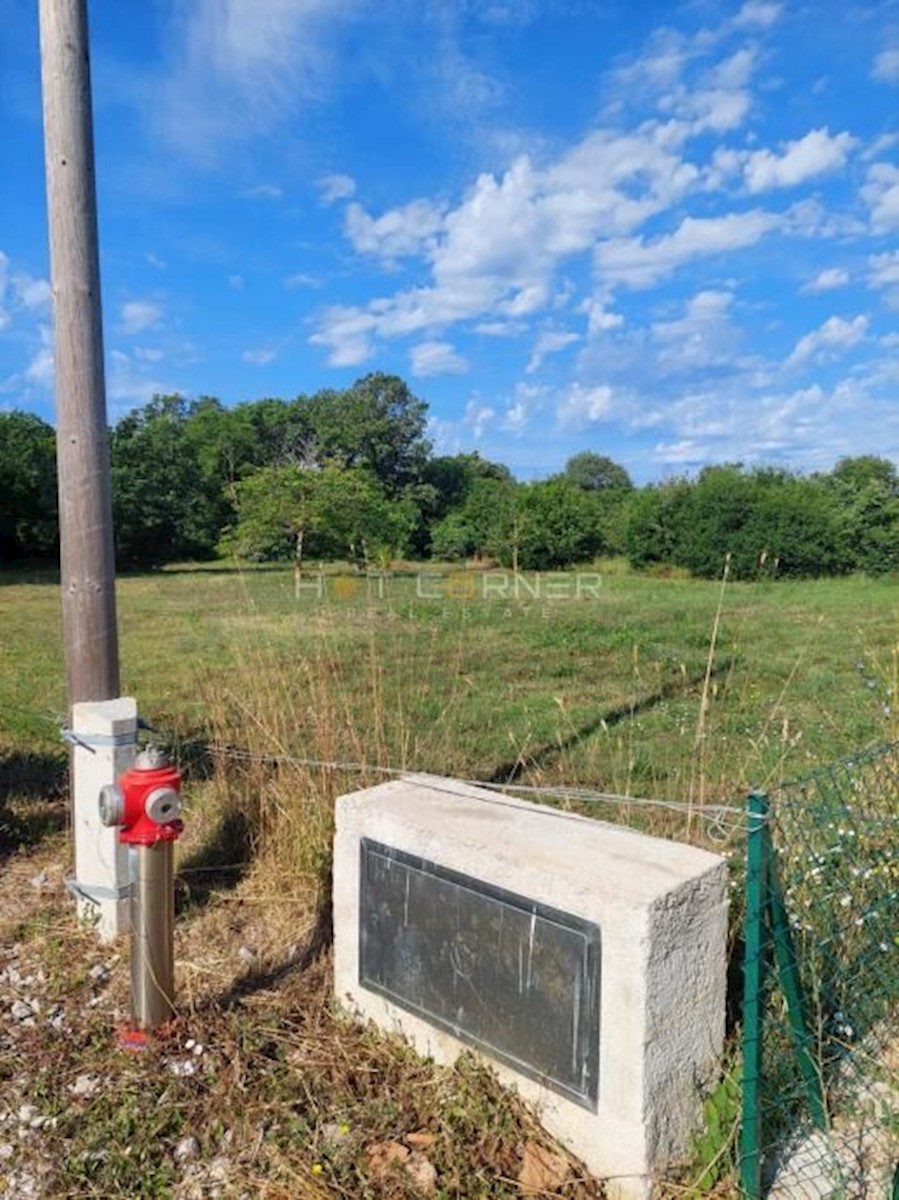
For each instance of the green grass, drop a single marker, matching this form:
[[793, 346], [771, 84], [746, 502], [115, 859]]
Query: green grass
[[601, 691]]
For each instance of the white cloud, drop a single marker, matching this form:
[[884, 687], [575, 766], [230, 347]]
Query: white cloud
[[815, 154], [833, 338], [409, 230], [259, 358], [640, 263], [827, 280], [300, 280], [550, 341], [585, 405], [494, 255], [137, 316], [32, 294], [702, 337], [599, 319], [757, 14], [886, 66], [263, 191], [237, 69], [148, 354], [436, 358], [40, 370], [884, 269], [478, 418], [527, 399], [881, 194], [236, 282], [332, 188]]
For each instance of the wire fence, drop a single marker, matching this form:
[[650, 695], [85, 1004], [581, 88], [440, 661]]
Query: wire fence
[[821, 979]]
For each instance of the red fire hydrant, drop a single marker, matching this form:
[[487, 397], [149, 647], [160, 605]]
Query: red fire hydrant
[[145, 805]]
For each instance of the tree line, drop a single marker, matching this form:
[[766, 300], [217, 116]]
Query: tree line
[[351, 474]]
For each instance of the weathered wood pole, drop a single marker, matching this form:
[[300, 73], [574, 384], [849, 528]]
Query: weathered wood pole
[[87, 563]]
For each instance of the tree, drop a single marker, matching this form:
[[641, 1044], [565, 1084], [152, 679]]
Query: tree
[[161, 510], [327, 512], [596, 473], [654, 523], [866, 490], [28, 506], [377, 424]]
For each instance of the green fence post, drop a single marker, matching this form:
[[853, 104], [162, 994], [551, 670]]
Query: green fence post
[[791, 985], [753, 985]]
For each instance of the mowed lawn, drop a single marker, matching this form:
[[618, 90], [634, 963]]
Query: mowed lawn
[[608, 679]]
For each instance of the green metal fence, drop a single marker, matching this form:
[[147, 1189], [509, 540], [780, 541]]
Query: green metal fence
[[821, 986]]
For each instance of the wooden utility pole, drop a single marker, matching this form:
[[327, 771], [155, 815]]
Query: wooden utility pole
[[87, 563]]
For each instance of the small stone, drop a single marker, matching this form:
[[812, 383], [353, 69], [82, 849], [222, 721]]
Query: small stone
[[7, 1150], [422, 1171], [183, 1067], [188, 1148], [246, 954], [85, 1086], [26, 1114], [198, 1049], [40, 881], [99, 973], [21, 1011]]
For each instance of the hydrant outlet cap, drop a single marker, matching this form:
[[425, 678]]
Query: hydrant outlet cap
[[112, 805], [163, 805]]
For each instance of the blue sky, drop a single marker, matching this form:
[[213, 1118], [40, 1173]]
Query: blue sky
[[665, 232]]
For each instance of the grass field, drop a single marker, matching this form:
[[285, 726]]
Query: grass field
[[443, 672], [639, 686]]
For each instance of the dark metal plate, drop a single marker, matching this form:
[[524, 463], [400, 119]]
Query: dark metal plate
[[499, 971]]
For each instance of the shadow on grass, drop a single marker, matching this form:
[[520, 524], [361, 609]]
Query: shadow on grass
[[263, 980], [33, 799], [219, 864], [511, 772]]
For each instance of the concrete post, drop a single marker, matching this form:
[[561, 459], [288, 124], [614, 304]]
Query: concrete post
[[105, 744]]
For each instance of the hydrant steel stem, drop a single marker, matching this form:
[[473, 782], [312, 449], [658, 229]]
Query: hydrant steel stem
[[152, 935]]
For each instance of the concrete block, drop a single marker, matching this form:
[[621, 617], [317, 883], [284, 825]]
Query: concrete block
[[658, 912], [105, 745]]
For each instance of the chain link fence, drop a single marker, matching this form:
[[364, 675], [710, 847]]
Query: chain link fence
[[821, 986]]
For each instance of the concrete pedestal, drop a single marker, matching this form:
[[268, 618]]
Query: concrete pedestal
[[105, 743], [661, 912]]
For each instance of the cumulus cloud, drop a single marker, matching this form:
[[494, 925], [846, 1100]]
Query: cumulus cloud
[[550, 341], [815, 154], [832, 339], [757, 14], [436, 358], [702, 337], [580, 405], [40, 370], [400, 232], [881, 193], [827, 280], [886, 66], [493, 256], [884, 269], [137, 316], [332, 188], [640, 263]]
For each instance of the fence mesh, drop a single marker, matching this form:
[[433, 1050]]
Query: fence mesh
[[827, 1118]]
